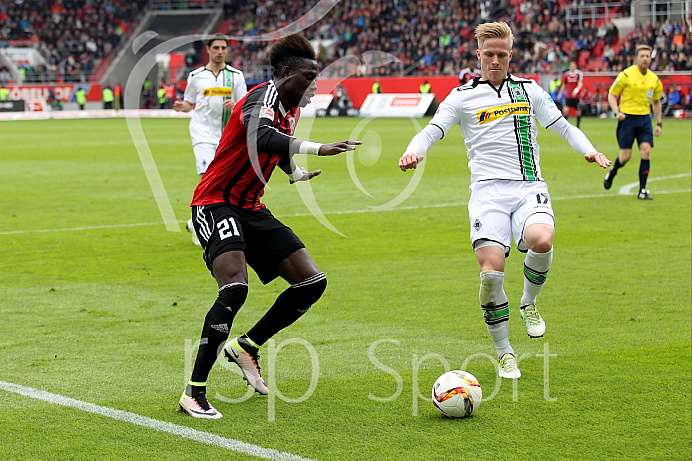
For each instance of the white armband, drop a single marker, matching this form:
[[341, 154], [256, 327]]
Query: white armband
[[296, 174], [307, 147]]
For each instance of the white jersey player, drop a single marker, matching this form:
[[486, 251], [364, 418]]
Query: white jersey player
[[208, 91], [212, 90], [497, 114]]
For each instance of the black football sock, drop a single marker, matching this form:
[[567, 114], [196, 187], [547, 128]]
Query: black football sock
[[248, 345], [617, 165], [643, 173], [217, 325], [288, 307], [193, 389]]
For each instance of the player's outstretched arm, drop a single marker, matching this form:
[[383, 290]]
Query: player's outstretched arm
[[419, 145], [338, 147], [323, 150], [579, 142], [597, 157]]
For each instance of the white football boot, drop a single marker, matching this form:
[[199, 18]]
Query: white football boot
[[508, 367], [248, 364], [198, 407], [535, 326]]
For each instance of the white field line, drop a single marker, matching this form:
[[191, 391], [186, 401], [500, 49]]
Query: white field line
[[163, 426], [112, 226], [623, 191], [628, 189]]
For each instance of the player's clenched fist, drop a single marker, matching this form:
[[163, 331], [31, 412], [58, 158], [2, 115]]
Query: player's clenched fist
[[408, 161]]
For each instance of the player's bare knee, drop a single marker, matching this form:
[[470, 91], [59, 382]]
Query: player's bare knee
[[542, 244], [538, 236]]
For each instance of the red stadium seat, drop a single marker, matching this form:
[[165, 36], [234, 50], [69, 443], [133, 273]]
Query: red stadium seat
[[598, 48]]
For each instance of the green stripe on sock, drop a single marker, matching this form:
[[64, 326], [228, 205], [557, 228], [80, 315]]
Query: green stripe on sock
[[491, 314], [534, 277], [192, 383]]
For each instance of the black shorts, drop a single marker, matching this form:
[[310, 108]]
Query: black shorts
[[264, 239], [572, 102], [635, 126]]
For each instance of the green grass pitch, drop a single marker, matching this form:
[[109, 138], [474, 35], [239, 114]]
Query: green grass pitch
[[102, 304]]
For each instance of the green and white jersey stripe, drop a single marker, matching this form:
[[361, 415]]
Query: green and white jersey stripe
[[522, 130], [228, 83]]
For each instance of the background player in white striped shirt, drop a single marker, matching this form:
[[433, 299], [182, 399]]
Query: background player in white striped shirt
[[497, 114], [212, 90]]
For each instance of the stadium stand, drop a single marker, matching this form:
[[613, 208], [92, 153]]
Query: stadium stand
[[433, 37], [72, 36], [78, 41], [165, 24], [428, 38]]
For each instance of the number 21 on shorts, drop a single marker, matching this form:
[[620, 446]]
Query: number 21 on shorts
[[227, 228]]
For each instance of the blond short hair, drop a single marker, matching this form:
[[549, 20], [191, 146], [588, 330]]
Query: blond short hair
[[494, 30], [641, 47]]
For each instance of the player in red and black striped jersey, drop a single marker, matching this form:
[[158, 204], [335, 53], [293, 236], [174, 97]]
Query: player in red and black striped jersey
[[572, 85], [236, 229], [239, 171], [259, 139]]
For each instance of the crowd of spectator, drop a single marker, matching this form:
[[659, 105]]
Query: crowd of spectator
[[433, 37], [426, 37], [71, 35], [671, 44]]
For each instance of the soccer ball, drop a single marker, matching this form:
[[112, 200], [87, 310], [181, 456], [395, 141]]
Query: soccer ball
[[457, 394]]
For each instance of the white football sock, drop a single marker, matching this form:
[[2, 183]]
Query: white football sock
[[536, 266], [496, 310]]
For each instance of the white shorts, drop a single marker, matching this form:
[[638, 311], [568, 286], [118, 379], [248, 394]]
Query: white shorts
[[204, 154], [499, 209]]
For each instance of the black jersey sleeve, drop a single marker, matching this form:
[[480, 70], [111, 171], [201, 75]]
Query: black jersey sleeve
[[260, 112]]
